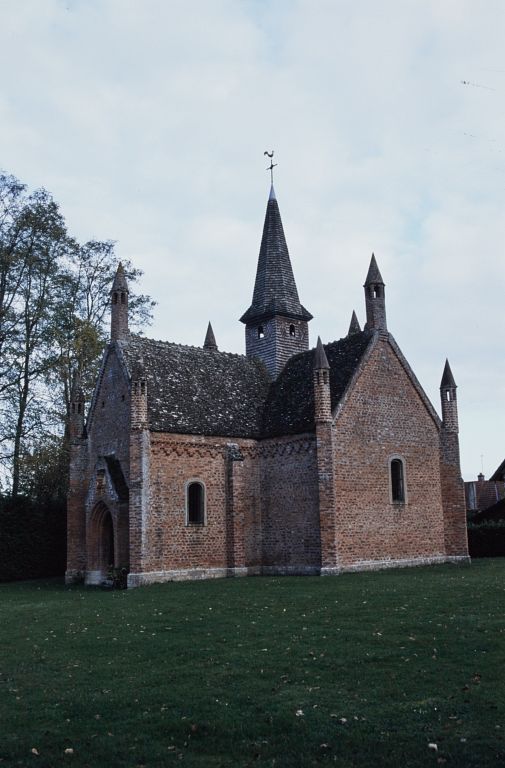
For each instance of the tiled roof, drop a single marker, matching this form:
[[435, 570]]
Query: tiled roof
[[289, 409], [196, 391], [199, 391]]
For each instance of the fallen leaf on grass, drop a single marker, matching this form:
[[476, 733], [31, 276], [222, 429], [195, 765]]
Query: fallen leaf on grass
[[69, 751], [35, 751]]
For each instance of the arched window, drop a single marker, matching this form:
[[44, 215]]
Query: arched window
[[261, 332], [195, 503], [397, 479], [292, 330]]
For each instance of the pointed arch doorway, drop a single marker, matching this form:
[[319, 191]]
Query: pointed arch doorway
[[101, 544]]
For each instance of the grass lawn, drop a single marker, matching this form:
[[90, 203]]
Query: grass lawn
[[364, 669]]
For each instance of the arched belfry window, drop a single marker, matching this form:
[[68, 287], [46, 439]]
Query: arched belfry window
[[195, 503], [397, 480]]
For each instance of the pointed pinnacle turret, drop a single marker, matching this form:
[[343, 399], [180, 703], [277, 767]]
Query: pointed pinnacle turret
[[77, 392], [320, 359], [210, 339], [120, 282], [354, 326], [374, 275], [447, 377], [275, 291]]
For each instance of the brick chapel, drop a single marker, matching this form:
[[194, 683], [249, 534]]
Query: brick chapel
[[196, 463]]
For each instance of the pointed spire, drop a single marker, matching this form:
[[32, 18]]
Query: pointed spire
[[275, 291], [320, 359], [374, 275], [354, 326], [447, 377], [210, 339], [120, 283]]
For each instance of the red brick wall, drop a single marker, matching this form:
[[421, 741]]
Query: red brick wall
[[229, 538], [289, 491], [384, 417]]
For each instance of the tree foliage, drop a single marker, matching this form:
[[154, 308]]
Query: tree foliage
[[54, 297]]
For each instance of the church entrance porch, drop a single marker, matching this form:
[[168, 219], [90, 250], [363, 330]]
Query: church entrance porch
[[101, 545]]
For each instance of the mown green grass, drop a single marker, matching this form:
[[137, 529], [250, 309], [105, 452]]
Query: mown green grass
[[358, 670]]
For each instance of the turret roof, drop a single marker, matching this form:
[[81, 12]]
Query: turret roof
[[320, 359], [120, 282], [275, 291], [210, 339], [447, 377], [374, 275], [354, 326]]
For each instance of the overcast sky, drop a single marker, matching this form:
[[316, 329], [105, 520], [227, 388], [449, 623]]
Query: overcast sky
[[147, 120]]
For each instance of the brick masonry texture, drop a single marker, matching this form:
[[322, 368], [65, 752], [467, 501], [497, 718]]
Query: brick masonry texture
[[318, 501]]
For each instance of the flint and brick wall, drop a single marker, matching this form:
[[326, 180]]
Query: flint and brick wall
[[385, 417]]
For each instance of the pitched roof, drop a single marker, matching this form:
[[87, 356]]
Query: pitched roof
[[199, 391], [202, 392], [275, 291], [499, 473], [289, 409]]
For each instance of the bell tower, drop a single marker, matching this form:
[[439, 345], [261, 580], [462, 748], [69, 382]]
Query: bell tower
[[276, 324]]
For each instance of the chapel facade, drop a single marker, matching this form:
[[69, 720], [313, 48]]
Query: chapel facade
[[196, 463]]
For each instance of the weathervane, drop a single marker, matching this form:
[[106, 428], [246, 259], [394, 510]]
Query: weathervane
[[272, 165]]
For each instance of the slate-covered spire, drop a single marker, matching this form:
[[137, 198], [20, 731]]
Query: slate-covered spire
[[374, 275], [276, 322], [210, 339], [119, 309], [375, 299], [275, 291], [354, 326]]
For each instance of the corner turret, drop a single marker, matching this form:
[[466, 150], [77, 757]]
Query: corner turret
[[322, 395], [449, 400], [119, 306], [77, 401], [375, 300]]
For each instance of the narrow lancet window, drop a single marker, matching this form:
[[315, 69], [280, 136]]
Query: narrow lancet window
[[397, 481], [195, 501]]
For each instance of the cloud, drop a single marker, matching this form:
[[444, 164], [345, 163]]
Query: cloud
[[147, 121]]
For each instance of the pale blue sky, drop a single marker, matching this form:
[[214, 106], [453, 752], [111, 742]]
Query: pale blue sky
[[147, 120]]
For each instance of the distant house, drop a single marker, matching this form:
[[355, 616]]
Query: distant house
[[196, 463], [482, 493]]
